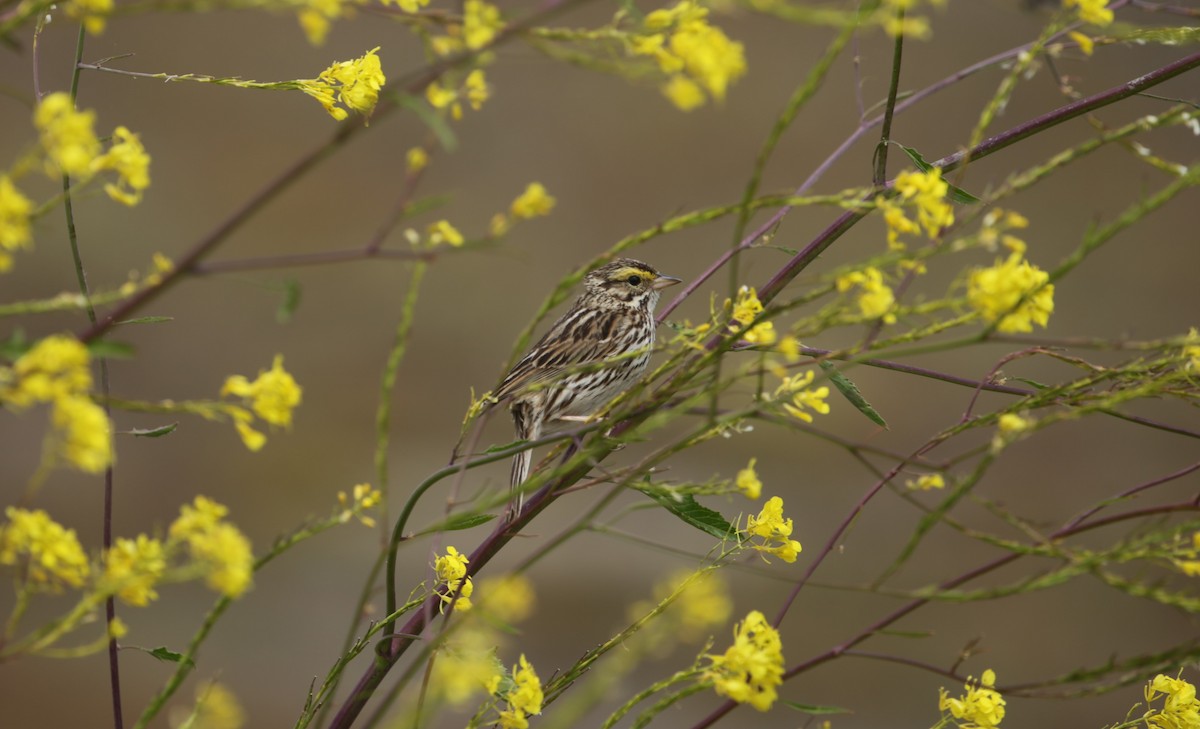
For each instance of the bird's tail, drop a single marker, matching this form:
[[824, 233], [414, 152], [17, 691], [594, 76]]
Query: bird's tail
[[527, 428]]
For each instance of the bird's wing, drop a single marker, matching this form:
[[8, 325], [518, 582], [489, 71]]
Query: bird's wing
[[578, 338]]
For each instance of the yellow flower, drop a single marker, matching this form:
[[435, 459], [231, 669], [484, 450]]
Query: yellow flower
[[451, 569], [57, 366], [132, 567], [196, 518], [466, 665], [927, 192], [92, 13], [748, 482], [774, 530], [67, 135], [751, 669], [15, 231], [875, 298], [273, 395], [364, 498], [1095, 12], [315, 18], [85, 435], [1191, 349], [803, 398], [897, 223], [53, 555], [509, 598], [982, 707], [1014, 293], [745, 310], [1086, 44], [696, 56], [416, 159], [408, 6], [535, 202], [216, 708], [443, 232], [1180, 708], [481, 22], [226, 558], [439, 97], [928, 482], [524, 699], [128, 158], [476, 89]]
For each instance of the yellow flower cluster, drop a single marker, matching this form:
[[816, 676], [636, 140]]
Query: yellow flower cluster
[[982, 707], [356, 84], [910, 26], [221, 551], [1014, 294], [803, 397], [72, 149], [751, 669], [525, 698], [49, 554], [1095, 12], [1180, 710], [700, 61], [534, 202], [57, 370], [133, 567], [451, 569], [924, 192], [474, 90], [508, 598], [1010, 427], [1187, 559], [443, 233], [364, 498], [15, 230], [775, 531], [92, 13], [928, 482], [743, 311], [216, 708], [466, 665], [748, 482], [273, 395], [875, 298]]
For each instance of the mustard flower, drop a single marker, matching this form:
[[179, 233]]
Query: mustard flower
[[748, 482], [1014, 294], [897, 223], [1180, 708], [409, 6], [466, 665], [416, 159], [221, 552], [750, 670], [481, 23], [196, 518], [356, 84], [67, 135], [928, 482], [128, 158], [875, 298], [535, 202], [217, 708], [50, 553], [443, 232], [316, 17], [364, 498], [775, 531], [84, 433], [92, 13], [133, 567], [927, 192], [508, 598], [803, 398], [745, 309], [477, 90], [697, 56], [982, 707], [273, 395], [1095, 12], [451, 569], [1086, 44], [524, 699], [57, 366], [15, 228]]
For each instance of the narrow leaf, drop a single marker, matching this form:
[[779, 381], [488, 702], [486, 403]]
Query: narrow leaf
[[505, 446], [110, 349], [164, 654], [147, 320], [459, 522], [152, 432], [850, 391], [814, 709], [291, 301], [957, 194], [692, 512]]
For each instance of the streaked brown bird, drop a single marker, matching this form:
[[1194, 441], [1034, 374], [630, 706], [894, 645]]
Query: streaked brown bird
[[594, 352]]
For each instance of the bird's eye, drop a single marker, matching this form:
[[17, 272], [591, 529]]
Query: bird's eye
[[634, 280]]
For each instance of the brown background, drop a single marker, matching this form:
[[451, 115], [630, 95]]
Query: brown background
[[619, 159]]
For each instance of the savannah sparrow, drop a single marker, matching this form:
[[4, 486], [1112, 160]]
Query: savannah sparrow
[[564, 376]]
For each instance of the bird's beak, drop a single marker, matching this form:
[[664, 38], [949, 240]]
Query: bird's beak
[[664, 281]]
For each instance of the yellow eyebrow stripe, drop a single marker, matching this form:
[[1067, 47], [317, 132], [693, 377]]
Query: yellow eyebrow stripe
[[628, 271]]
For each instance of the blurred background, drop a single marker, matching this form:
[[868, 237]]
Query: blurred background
[[618, 158]]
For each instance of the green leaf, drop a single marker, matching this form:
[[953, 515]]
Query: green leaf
[[957, 194], [1031, 383], [1166, 36], [152, 432], [164, 654], [814, 709], [435, 122], [850, 391], [504, 446], [692, 512], [458, 522], [291, 301], [146, 320], [110, 349]]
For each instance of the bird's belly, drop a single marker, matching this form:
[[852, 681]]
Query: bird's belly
[[601, 386]]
